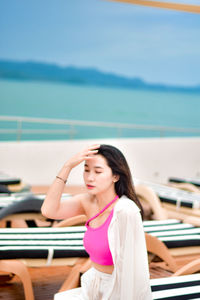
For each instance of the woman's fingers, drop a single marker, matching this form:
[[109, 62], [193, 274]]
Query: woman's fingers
[[91, 150], [95, 146], [91, 153], [88, 153]]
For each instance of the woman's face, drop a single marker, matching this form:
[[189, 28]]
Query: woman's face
[[98, 175]]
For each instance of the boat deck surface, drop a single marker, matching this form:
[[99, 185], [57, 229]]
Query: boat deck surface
[[46, 282]]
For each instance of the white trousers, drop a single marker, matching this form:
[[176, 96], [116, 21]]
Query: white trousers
[[94, 285]]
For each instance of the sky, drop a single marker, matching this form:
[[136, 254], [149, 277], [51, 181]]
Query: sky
[[156, 45]]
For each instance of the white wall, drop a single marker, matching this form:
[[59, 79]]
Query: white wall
[[37, 163]]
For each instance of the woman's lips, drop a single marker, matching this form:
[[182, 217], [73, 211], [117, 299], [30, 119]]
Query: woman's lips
[[90, 186]]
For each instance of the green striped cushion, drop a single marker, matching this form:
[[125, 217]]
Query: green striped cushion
[[176, 288]]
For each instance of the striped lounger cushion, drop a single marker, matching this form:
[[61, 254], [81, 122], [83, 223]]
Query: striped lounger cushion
[[173, 195], [68, 241], [42, 242], [176, 288], [180, 198], [174, 233], [194, 181], [6, 180], [6, 201], [17, 198]]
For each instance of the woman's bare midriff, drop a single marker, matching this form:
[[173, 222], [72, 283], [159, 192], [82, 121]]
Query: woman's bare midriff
[[104, 269]]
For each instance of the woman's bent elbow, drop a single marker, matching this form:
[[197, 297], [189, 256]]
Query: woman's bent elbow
[[46, 213]]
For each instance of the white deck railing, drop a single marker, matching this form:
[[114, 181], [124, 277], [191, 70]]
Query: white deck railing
[[71, 130]]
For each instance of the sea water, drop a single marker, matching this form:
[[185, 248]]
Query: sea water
[[90, 103]]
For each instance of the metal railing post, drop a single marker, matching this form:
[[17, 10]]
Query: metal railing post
[[71, 132], [119, 132], [162, 133], [19, 130]]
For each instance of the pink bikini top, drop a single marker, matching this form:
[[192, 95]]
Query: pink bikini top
[[96, 239]]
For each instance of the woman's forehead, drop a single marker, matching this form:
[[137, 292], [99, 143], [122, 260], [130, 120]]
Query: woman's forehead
[[98, 161]]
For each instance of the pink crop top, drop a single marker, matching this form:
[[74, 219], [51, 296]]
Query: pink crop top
[[96, 239]]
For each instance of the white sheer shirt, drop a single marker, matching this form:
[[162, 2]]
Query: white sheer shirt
[[130, 278]]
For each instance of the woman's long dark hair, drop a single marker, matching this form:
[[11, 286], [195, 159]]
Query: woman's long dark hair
[[119, 166]]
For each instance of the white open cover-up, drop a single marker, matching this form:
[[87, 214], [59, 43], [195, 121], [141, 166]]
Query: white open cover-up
[[130, 278]]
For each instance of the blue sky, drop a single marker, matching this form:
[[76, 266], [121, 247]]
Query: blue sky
[[159, 46]]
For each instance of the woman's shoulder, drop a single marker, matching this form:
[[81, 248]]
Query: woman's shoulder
[[85, 197], [86, 200]]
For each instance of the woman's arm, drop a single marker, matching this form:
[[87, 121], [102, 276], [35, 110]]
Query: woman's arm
[[54, 208]]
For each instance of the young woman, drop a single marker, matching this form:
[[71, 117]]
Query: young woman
[[114, 238]]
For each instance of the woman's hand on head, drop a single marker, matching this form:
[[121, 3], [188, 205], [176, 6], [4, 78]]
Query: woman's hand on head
[[78, 158]]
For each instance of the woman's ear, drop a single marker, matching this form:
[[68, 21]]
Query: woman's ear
[[115, 178]]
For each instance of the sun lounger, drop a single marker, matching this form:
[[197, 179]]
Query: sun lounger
[[147, 195], [180, 238], [186, 202], [154, 246], [157, 249], [8, 180], [173, 195], [12, 184], [23, 210], [194, 181], [11, 205], [18, 268], [4, 190], [67, 241], [46, 245], [14, 198], [168, 202], [189, 268], [185, 186], [173, 288], [22, 247], [170, 288], [6, 200]]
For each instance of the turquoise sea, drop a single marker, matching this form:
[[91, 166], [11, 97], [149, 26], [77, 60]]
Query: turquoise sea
[[89, 103]]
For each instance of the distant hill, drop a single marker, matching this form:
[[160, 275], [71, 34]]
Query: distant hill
[[72, 75]]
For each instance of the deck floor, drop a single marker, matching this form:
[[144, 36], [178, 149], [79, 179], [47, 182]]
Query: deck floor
[[46, 282]]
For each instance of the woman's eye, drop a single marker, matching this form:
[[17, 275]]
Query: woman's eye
[[86, 170], [98, 172]]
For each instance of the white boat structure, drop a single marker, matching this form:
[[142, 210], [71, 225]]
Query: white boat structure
[[151, 159]]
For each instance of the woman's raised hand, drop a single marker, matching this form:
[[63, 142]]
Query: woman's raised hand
[[52, 206], [78, 158]]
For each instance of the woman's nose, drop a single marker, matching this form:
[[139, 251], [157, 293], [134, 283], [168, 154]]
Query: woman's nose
[[90, 176]]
